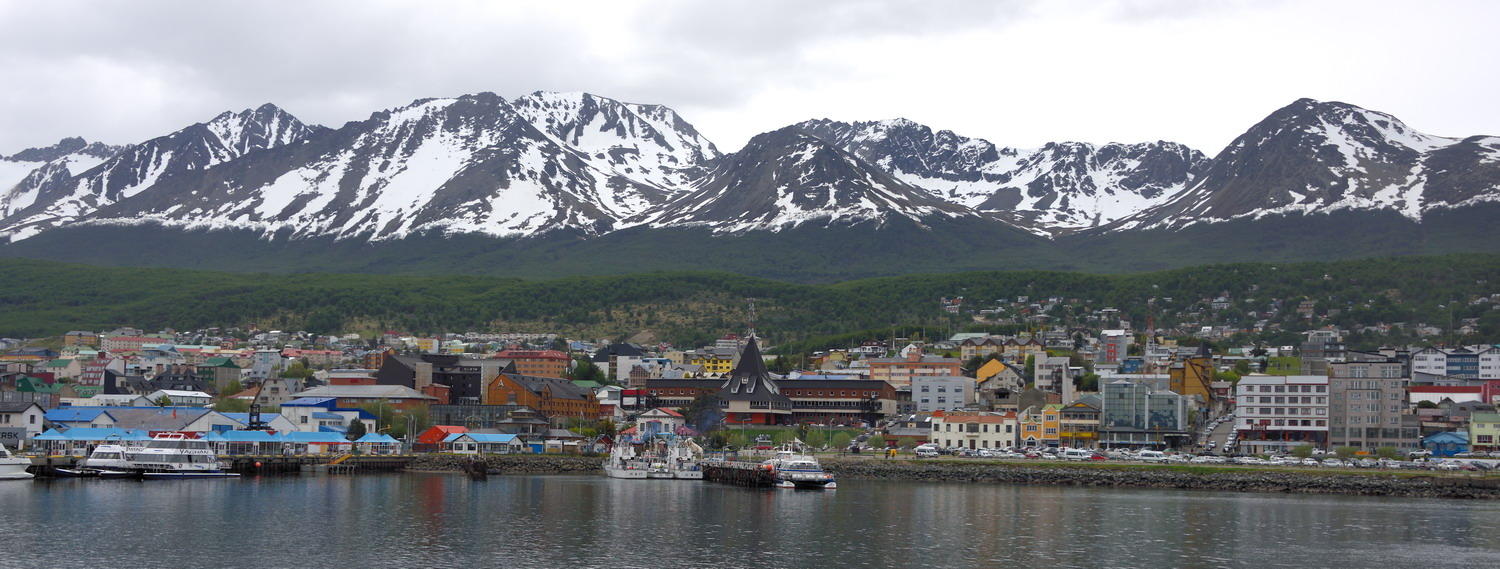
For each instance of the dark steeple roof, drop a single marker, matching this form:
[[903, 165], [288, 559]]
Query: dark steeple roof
[[750, 381]]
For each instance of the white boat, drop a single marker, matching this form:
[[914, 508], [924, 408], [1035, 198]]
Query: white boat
[[13, 467], [684, 458], [659, 469], [800, 471], [173, 455], [623, 463]]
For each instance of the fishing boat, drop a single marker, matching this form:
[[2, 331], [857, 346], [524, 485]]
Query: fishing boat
[[13, 467], [174, 455], [799, 471], [685, 460], [623, 463]]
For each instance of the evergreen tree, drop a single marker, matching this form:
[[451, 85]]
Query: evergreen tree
[[356, 429]]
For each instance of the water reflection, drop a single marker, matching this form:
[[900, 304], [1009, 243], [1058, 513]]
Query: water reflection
[[589, 522]]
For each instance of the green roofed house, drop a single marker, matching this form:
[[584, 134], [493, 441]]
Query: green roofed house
[[587, 384], [63, 368], [219, 371]]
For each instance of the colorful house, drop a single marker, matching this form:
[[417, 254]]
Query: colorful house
[[1041, 427], [1484, 432]]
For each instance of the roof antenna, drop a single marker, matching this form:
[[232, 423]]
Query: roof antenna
[[752, 316]]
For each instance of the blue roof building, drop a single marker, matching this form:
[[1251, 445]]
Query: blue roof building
[[1447, 443]]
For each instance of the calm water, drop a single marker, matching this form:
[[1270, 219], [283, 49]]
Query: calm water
[[587, 522]]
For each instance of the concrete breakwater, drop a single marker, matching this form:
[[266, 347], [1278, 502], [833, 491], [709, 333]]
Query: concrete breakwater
[[1228, 479], [511, 463]]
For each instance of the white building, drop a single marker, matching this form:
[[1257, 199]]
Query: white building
[[974, 430], [941, 392], [1473, 362], [20, 421], [1275, 413], [181, 398]]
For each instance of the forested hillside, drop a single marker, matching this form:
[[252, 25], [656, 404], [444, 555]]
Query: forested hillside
[[39, 298]]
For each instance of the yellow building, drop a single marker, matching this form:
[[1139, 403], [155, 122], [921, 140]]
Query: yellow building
[[1041, 427], [1194, 376], [713, 363]]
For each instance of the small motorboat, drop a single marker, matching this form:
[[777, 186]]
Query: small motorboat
[[13, 467]]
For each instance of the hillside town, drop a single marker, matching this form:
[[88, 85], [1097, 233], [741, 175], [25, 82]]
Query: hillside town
[[972, 393]]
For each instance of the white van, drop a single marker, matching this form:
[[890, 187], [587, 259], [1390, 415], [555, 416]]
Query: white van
[[1151, 456], [1077, 454]]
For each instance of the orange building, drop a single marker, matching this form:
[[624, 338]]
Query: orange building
[[554, 397], [542, 363]]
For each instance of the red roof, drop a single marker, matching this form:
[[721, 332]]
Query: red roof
[[437, 433], [668, 411], [1446, 388]]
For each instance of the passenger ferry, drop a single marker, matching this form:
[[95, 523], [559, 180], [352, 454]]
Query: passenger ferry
[[174, 455], [13, 467], [800, 471], [107, 461]]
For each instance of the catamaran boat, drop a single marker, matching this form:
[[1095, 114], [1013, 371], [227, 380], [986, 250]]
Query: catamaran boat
[[13, 467], [173, 455], [623, 463], [107, 461], [799, 471]]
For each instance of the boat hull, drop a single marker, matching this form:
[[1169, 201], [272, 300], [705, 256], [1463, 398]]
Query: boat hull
[[688, 475], [625, 474], [185, 475], [15, 469]]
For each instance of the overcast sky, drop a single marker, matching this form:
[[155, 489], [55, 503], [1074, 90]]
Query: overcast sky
[[1017, 73]]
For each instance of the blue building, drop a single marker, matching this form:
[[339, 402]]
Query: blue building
[[1446, 444]]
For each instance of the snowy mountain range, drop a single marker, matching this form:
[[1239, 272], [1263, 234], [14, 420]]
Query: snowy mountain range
[[589, 166]]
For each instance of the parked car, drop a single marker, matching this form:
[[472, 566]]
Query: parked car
[[1151, 456]]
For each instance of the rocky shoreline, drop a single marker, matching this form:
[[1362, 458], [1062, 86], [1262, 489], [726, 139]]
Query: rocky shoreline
[[1144, 476], [1355, 483], [511, 463]]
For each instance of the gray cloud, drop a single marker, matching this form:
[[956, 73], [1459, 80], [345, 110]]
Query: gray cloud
[[1017, 72]]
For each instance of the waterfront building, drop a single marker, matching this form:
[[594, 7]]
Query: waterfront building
[[974, 430], [1079, 424], [749, 396], [20, 421], [1136, 414], [323, 414], [941, 393], [1276, 413], [556, 398], [396, 396], [1041, 427], [1484, 432], [818, 399], [1367, 403]]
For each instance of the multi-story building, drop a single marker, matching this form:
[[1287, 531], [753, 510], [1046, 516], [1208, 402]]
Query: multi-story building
[[1475, 362], [815, 399], [974, 430], [1052, 374], [1080, 423], [466, 379], [543, 363], [1134, 414], [554, 397], [1484, 432], [1275, 413], [941, 392], [1041, 426], [1319, 348], [80, 338], [1113, 346], [900, 371], [1367, 404], [1009, 349]]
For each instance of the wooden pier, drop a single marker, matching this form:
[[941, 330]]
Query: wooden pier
[[752, 474]]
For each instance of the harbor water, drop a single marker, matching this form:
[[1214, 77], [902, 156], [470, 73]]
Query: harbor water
[[429, 520]]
